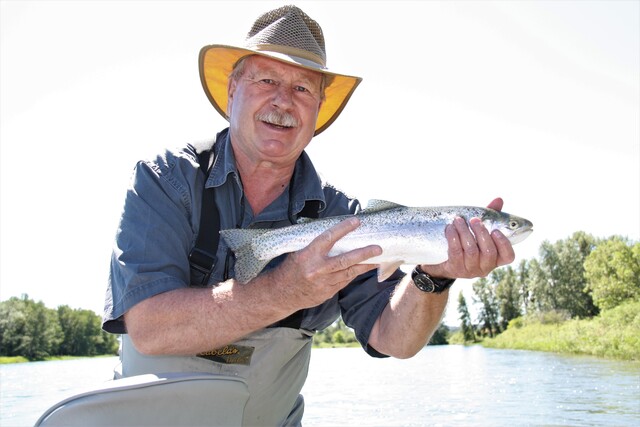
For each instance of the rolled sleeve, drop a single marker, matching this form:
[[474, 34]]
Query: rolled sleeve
[[155, 234]]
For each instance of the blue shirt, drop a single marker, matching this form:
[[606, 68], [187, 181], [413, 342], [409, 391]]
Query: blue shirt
[[160, 221]]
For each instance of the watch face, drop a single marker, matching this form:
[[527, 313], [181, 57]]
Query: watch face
[[424, 283]]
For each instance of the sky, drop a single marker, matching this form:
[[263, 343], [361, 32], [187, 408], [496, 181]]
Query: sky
[[537, 102]]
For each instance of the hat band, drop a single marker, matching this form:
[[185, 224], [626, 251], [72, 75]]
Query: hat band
[[291, 51]]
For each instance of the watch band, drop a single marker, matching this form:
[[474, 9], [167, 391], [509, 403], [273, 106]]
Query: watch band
[[428, 284]]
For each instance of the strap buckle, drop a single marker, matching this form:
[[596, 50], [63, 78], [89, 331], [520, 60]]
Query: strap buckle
[[202, 264]]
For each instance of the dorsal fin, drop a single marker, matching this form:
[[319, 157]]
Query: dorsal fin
[[376, 205]]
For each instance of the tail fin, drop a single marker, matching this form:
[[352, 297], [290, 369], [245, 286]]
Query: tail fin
[[239, 240]]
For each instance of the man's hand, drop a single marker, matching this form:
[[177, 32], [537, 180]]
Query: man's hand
[[473, 256], [310, 276]]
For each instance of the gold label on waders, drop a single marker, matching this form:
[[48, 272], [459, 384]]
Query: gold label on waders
[[230, 355]]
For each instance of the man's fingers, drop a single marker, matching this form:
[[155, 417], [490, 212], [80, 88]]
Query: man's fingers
[[488, 253], [329, 237], [456, 254], [506, 254], [357, 256], [473, 250], [345, 276], [468, 244], [344, 266]]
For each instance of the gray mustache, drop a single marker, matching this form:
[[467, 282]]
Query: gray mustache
[[279, 118]]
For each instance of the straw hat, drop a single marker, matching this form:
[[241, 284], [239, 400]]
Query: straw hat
[[286, 34]]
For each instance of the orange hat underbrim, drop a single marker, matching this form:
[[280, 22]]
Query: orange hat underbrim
[[216, 63]]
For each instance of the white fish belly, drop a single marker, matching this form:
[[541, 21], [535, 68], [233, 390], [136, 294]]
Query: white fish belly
[[411, 245]]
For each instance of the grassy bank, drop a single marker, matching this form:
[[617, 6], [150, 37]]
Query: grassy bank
[[336, 345], [614, 334], [4, 360]]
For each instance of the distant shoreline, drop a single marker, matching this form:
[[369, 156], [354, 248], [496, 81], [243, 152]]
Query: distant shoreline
[[8, 360]]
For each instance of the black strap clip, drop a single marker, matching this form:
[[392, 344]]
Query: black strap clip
[[201, 266]]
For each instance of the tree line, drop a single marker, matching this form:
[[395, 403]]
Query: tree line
[[577, 277], [339, 334], [31, 330]]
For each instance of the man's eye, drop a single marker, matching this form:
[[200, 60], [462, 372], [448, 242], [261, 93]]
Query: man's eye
[[301, 89], [268, 81]]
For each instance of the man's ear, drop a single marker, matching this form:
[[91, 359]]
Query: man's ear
[[231, 90]]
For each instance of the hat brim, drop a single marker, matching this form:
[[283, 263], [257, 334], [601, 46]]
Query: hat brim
[[216, 63]]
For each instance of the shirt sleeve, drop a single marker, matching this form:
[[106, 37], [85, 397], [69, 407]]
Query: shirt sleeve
[[362, 302], [155, 234]]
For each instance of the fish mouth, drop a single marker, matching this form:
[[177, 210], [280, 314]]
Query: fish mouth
[[520, 234]]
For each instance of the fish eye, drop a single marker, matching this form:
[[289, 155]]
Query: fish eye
[[513, 224]]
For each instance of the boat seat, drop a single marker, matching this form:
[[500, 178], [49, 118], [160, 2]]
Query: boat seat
[[175, 399]]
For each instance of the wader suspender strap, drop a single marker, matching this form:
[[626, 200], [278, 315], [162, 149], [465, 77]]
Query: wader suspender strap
[[203, 255]]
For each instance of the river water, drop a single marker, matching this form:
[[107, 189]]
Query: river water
[[441, 386]]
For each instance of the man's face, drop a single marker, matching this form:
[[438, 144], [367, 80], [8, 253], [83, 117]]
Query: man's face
[[273, 109]]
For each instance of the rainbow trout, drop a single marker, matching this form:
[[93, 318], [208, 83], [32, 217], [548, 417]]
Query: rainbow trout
[[407, 235]]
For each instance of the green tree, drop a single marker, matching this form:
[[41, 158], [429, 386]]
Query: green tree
[[13, 326], [557, 281], [45, 332], [72, 330], [83, 335], [107, 343], [338, 337], [30, 329], [466, 326], [523, 281], [440, 336], [489, 310], [330, 334], [508, 294], [323, 336], [612, 271]]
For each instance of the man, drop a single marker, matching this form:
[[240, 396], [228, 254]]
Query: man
[[277, 94]]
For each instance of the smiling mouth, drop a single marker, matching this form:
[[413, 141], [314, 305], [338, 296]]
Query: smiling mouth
[[275, 125]]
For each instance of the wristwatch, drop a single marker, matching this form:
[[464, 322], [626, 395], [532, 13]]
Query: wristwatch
[[429, 284]]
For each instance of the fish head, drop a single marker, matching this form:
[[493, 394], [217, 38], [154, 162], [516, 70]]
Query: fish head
[[514, 228]]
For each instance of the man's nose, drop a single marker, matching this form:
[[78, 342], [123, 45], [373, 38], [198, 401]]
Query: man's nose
[[283, 96]]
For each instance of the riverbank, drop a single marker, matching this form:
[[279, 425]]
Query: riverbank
[[614, 334], [353, 344], [7, 360]]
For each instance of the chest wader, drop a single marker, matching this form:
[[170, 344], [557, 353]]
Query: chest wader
[[273, 362]]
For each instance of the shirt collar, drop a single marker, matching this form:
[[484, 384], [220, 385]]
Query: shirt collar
[[307, 185]]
